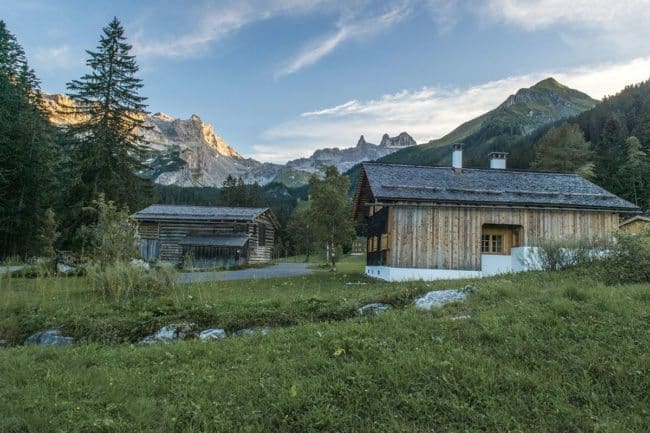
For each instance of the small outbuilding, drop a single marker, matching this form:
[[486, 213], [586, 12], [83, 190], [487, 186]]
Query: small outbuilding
[[635, 225], [453, 222], [209, 236]]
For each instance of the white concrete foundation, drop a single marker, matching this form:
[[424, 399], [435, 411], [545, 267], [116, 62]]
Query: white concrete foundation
[[409, 274], [522, 259]]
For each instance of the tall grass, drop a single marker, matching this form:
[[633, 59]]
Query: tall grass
[[121, 280]]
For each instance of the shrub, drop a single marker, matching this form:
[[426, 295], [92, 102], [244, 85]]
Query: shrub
[[122, 280], [629, 260], [557, 255]]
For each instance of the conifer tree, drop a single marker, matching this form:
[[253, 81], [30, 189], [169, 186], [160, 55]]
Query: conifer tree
[[107, 142], [27, 152], [564, 149], [611, 153]]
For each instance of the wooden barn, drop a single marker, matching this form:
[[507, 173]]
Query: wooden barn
[[635, 225], [211, 236], [453, 222]]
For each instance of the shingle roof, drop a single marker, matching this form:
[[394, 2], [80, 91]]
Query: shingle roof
[[215, 241], [159, 212], [489, 187]]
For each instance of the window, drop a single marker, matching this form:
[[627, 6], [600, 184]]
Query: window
[[492, 243]]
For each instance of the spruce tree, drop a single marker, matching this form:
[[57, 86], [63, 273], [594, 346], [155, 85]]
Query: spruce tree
[[564, 149], [107, 142], [28, 156]]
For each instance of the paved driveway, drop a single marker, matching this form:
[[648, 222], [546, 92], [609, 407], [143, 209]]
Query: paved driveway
[[275, 271]]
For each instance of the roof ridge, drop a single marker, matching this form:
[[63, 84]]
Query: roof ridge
[[491, 170]]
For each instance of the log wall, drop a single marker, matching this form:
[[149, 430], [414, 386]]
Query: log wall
[[450, 237]]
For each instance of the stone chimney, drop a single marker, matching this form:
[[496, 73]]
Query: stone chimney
[[498, 160], [457, 155]]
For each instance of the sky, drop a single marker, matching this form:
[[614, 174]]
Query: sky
[[279, 79]]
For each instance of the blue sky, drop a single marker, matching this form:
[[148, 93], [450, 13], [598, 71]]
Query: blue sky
[[281, 78]]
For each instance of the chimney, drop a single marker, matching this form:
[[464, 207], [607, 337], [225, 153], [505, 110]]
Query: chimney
[[457, 155], [498, 160]]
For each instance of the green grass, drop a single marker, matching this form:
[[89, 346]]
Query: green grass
[[542, 352]]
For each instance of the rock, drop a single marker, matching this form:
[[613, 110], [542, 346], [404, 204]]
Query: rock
[[4, 343], [460, 317], [51, 337], [64, 269], [171, 333], [372, 309], [212, 334], [252, 331], [139, 263], [439, 298]]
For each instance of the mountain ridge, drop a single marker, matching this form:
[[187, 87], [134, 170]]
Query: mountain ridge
[[189, 152], [520, 114]]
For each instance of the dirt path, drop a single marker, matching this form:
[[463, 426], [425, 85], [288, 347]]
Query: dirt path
[[275, 271]]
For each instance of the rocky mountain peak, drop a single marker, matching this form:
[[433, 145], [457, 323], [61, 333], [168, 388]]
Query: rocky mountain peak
[[402, 140], [362, 141]]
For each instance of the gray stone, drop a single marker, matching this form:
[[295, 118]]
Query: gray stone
[[439, 298], [170, 333], [51, 337], [252, 331], [372, 309], [64, 269], [212, 334]]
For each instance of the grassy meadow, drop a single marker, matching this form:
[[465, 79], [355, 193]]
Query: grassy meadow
[[542, 352]]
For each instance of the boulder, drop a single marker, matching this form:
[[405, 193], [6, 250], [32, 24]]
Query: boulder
[[438, 298], [212, 334], [170, 333], [51, 337], [139, 263], [372, 309], [64, 269], [253, 331]]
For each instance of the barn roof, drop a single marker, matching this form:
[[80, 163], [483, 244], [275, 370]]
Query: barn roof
[[163, 212], [395, 182]]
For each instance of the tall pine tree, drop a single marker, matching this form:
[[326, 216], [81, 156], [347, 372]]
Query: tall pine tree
[[28, 156], [106, 141]]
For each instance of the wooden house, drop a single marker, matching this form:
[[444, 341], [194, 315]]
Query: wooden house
[[453, 222], [635, 225], [211, 236]]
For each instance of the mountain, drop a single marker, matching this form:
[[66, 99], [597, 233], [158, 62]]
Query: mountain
[[344, 159], [188, 152], [519, 115]]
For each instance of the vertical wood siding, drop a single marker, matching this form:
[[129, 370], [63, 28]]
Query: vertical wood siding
[[450, 237]]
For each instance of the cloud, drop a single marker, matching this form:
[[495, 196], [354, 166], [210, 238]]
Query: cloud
[[56, 58], [621, 27], [316, 50], [536, 14], [211, 23], [427, 113]]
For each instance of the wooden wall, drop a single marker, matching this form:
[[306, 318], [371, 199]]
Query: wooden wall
[[450, 237]]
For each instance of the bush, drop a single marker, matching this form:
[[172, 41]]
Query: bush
[[121, 280], [557, 255], [629, 260]]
